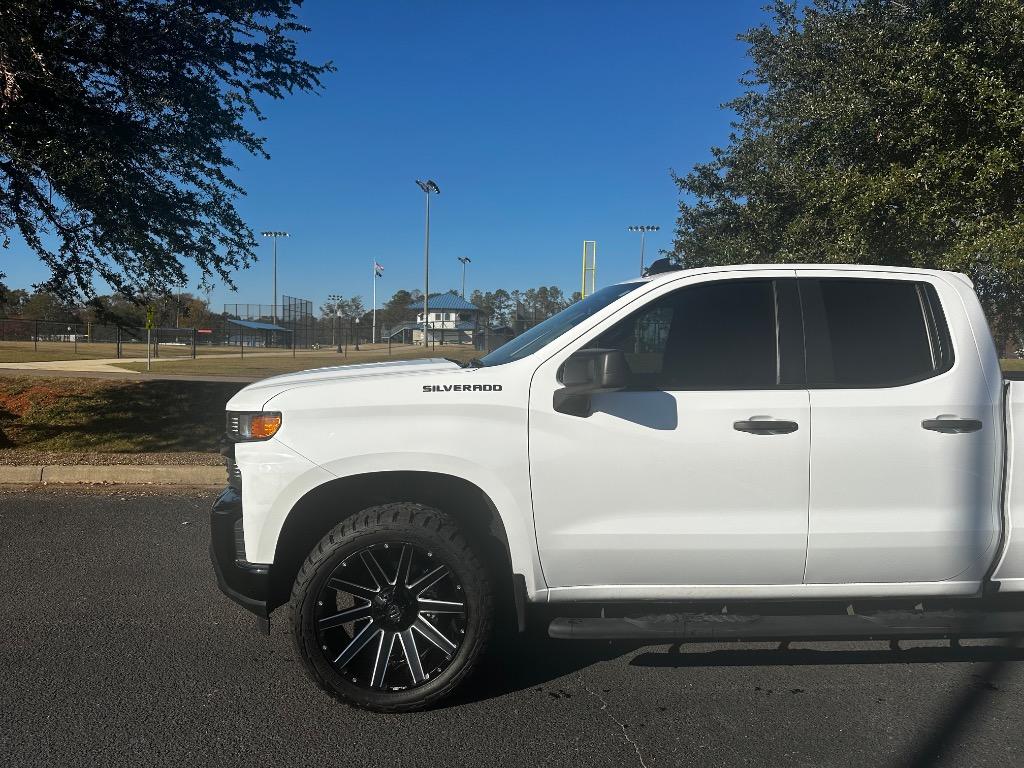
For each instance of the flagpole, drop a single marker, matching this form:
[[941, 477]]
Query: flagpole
[[374, 332]]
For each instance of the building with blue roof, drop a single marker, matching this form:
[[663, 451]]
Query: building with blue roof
[[451, 320]]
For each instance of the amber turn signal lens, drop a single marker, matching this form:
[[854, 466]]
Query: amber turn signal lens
[[264, 425]]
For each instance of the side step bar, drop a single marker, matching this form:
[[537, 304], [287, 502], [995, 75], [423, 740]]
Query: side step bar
[[883, 625]]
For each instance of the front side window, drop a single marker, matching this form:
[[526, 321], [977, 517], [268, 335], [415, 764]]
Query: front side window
[[863, 333], [710, 336]]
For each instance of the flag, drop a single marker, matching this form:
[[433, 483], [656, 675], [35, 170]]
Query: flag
[[378, 270]]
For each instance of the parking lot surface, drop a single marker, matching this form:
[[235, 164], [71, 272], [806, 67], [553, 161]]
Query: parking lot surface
[[117, 649]]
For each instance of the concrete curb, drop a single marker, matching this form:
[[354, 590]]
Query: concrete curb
[[118, 474]]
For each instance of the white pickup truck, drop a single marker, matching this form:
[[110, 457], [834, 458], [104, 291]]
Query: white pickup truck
[[758, 452]]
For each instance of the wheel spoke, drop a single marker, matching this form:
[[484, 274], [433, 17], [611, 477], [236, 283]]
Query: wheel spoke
[[441, 606], [375, 570], [412, 656], [350, 614], [357, 590], [404, 563], [389, 594], [380, 664], [365, 635], [433, 635], [424, 583]]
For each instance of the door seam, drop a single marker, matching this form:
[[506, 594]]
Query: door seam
[[810, 459]]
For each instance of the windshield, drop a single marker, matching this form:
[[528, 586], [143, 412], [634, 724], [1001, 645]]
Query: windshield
[[529, 342]]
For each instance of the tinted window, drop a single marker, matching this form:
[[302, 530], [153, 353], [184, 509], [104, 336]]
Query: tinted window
[[872, 333], [719, 335]]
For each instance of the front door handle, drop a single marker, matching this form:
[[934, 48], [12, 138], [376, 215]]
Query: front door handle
[[766, 426], [952, 425]]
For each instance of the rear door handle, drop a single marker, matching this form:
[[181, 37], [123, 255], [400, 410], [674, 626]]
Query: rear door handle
[[952, 425], [766, 426]]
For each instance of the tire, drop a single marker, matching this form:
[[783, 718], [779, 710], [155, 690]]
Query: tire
[[360, 598]]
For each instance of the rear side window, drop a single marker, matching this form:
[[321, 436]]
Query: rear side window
[[710, 336], [862, 333]]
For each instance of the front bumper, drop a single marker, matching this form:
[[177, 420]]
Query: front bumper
[[248, 584]]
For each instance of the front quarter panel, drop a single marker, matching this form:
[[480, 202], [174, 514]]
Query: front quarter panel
[[469, 423], [274, 478]]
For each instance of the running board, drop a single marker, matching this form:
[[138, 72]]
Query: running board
[[883, 625]]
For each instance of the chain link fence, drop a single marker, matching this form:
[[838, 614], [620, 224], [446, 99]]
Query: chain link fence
[[95, 340]]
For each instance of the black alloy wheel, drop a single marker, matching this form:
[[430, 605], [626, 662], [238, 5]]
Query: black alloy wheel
[[391, 616], [392, 609]]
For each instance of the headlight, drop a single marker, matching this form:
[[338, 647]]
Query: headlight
[[248, 426]]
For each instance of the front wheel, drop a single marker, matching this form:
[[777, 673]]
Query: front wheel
[[392, 609]]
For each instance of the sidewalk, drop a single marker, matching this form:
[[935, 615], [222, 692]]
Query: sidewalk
[[118, 474], [110, 368], [119, 374], [100, 365]]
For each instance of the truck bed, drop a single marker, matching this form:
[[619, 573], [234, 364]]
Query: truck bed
[[1010, 570]]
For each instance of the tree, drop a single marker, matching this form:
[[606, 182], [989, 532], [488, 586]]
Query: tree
[[12, 300], [497, 307], [351, 307], [116, 309], [874, 131], [190, 311], [540, 303], [43, 305], [116, 117], [396, 309]]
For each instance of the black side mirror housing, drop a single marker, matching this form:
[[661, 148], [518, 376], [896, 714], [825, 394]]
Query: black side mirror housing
[[587, 372]]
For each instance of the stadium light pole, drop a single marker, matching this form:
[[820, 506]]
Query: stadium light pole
[[274, 233], [337, 299], [465, 260], [643, 229], [429, 187]]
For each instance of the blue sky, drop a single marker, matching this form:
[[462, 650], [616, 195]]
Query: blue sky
[[543, 123]]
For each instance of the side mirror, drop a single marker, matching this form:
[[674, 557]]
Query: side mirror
[[587, 372]]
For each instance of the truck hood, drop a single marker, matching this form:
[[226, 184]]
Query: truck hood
[[254, 396]]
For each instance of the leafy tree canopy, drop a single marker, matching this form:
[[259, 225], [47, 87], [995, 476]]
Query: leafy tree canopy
[[115, 122], [347, 307], [879, 132]]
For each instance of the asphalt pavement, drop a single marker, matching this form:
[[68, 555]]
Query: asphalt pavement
[[117, 649]]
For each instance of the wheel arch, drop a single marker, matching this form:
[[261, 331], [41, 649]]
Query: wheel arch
[[324, 506]]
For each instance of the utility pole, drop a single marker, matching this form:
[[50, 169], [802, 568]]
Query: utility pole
[[643, 229], [429, 187], [465, 260], [274, 233]]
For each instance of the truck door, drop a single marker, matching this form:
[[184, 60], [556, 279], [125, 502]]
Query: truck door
[[904, 439], [697, 473]]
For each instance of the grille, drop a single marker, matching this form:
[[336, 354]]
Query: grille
[[234, 474], [227, 450], [239, 542]]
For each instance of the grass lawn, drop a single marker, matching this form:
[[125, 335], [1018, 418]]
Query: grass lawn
[[48, 351], [23, 352], [1013, 365], [263, 364], [151, 416], [111, 416]]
